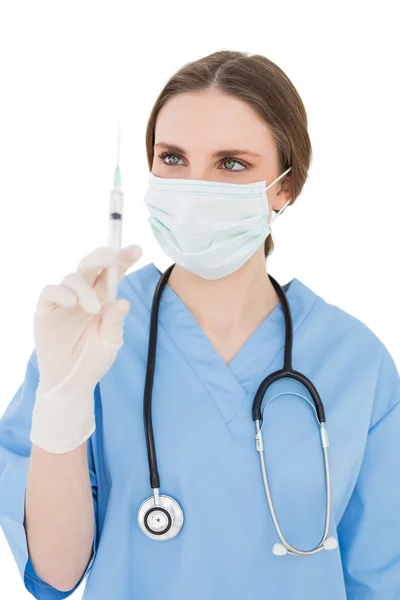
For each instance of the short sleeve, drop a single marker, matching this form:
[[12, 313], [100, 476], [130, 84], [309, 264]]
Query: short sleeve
[[369, 531], [15, 449]]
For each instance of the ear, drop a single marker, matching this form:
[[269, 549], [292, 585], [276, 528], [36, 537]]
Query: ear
[[284, 194]]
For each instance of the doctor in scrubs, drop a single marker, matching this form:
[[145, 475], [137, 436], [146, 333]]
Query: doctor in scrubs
[[227, 147]]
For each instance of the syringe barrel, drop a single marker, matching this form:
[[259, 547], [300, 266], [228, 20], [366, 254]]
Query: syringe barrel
[[115, 234], [116, 201], [115, 219]]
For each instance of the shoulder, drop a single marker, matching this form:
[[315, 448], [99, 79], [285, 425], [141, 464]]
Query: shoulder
[[338, 326], [354, 348]]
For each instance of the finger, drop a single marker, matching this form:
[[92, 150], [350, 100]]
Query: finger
[[111, 325], [56, 295], [126, 258], [86, 295], [91, 264], [104, 257], [129, 255]]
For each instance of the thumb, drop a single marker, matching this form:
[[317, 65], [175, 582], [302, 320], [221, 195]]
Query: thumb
[[129, 256], [111, 326]]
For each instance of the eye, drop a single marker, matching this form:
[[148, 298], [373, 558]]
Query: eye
[[176, 158], [168, 154], [229, 159]]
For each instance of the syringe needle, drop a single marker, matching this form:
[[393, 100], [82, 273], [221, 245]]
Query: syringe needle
[[119, 141]]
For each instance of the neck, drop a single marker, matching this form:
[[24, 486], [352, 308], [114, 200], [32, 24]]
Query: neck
[[232, 304]]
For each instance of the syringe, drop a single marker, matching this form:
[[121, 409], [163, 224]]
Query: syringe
[[115, 227]]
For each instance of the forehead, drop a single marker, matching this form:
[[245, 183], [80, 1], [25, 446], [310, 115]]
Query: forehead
[[210, 120]]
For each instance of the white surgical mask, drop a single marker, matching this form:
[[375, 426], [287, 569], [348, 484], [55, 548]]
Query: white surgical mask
[[210, 228]]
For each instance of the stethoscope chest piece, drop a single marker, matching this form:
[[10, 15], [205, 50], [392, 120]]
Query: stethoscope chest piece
[[162, 520]]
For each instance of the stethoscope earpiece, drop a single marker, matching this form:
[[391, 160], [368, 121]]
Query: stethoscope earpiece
[[279, 550], [330, 543]]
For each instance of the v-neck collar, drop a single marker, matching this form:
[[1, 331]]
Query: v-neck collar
[[228, 385]]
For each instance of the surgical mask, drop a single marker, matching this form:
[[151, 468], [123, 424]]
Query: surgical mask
[[210, 228]]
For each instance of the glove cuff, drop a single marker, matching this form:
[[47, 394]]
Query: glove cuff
[[62, 420]]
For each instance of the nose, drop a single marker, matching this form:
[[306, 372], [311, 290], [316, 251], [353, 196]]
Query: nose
[[200, 173]]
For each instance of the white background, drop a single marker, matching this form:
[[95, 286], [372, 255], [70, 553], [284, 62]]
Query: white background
[[70, 70]]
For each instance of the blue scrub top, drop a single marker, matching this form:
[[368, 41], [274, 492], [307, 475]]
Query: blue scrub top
[[207, 458]]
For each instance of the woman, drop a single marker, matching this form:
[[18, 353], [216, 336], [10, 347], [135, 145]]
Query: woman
[[227, 143]]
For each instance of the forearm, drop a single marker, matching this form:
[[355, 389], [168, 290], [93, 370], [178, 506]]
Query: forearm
[[59, 515]]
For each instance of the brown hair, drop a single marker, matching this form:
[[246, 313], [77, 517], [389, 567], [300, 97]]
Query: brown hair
[[258, 81]]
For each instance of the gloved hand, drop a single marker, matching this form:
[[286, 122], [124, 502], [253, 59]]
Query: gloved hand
[[77, 337]]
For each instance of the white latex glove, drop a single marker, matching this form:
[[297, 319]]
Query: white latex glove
[[77, 337]]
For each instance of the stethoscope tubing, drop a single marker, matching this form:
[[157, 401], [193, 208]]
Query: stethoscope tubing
[[148, 387], [286, 371]]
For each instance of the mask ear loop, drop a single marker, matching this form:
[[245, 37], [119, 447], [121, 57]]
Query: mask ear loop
[[278, 213], [271, 220]]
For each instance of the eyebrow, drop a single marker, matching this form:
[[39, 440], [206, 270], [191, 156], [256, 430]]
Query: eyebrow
[[219, 154]]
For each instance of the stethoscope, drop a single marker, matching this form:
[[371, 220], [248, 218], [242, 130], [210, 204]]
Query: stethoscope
[[160, 517]]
